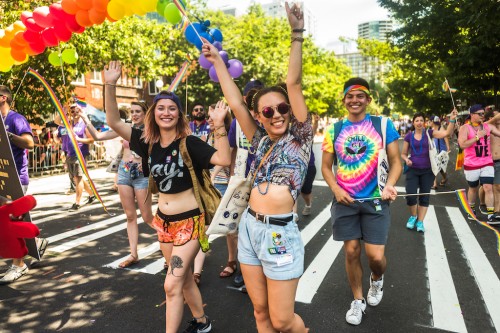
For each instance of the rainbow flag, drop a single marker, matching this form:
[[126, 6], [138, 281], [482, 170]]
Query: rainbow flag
[[183, 25], [71, 135], [459, 164], [178, 78], [462, 198], [181, 7], [445, 86], [80, 101]]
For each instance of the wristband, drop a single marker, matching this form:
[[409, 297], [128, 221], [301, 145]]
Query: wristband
[[297, 39], [299, 30], [453, 121]]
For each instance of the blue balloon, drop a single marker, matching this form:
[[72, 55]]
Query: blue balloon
[[190, 32], [216, 34]]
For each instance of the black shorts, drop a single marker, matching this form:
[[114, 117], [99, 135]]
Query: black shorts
[[307, 186]]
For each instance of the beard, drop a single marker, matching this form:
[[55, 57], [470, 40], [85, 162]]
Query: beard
[[199, 117]]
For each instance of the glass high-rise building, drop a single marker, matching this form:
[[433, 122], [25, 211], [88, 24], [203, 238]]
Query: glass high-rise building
[[378, 30]]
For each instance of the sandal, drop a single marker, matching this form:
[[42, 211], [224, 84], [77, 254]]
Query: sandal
[[443, 182], [197, 278], [229, 270], [165, 266], [131, 260]]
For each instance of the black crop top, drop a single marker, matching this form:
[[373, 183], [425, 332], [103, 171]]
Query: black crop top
[[166, 164]]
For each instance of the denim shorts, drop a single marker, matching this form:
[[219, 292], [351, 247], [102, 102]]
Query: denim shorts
[[361, 220], [130, 176], [221, 187], [278, 249]]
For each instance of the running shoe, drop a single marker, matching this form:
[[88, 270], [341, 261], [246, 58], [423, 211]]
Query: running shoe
[[196, 327], [494, 219], [470, 217], [411, 222], [420, 226], [306, 211], [14, 273], [483, 209], [376, 291], [355, 313]]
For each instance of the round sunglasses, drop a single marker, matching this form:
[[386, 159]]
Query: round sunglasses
[[282, 108]]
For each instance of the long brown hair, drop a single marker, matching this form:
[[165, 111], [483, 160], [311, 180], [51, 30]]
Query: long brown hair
[[151, 132]]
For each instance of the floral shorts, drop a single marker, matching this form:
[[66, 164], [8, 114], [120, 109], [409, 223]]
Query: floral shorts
[[181, 228]]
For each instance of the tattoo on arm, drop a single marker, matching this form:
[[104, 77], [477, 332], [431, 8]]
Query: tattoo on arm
[[175, 262]]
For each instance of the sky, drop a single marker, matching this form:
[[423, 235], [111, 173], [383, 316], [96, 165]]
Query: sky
[[335, 18]]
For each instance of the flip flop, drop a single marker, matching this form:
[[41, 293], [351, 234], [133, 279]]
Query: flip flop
[[129, 262]]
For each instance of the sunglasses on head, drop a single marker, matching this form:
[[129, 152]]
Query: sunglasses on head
[[282, 108]]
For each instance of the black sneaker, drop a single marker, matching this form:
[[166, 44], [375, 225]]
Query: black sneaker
[[75, 207], [470, 217], [91, 199], [238, 280], [494, 219], [483, 209], [196, 327]]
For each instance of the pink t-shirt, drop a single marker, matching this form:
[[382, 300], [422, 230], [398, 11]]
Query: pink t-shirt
[[478, 155]]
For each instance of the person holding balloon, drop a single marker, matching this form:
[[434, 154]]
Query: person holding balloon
[[179, 223], [270, 248]]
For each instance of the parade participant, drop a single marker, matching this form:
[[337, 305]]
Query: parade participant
[[20, 138], [441, 145], [474, 139], [198, 124], [419, 177], [495, 152], [356, 147], [179, 222], [132, 184], [270, 249], [84, 139]]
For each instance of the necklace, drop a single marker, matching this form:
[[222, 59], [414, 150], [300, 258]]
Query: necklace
[[413, 146]]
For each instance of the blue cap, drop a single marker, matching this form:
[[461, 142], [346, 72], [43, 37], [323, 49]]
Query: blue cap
[[475, 108], [169, 95]]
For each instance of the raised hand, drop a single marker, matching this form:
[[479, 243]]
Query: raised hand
[[209, 51], [219, 113], [295, 16], [112, 72]]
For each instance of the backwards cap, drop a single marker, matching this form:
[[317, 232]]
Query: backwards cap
[[169, 95]]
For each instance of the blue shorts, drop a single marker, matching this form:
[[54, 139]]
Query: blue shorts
[[361, 220], [221, 187], [278, 249], [129, 175]]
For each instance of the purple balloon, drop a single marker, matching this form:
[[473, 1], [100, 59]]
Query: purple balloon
[[218, 45], [204, 63], [224, 56], [213, 74], [235, 68]]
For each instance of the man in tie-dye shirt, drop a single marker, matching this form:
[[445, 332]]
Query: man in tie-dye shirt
[[357, 213]]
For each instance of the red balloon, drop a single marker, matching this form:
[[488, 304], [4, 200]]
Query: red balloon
[[37, 47], [25, 15], [32, 37], [43, 17], [79, 31], [49, 37], [71, 23], [31, 25], [62, 32], [57, 11]]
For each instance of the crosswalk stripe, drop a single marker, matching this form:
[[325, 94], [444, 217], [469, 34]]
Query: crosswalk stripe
[[483, 272], [446, 311], [142, 253], [315, 273], [312, 228]]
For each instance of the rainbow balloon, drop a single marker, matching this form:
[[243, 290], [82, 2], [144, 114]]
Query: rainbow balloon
[[71, 135], [462, 198], [178, 78]]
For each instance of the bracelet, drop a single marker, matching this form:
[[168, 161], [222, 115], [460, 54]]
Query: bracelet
[[297, 39], [299, 30], [453, 121], [218, 127], [219, 135]]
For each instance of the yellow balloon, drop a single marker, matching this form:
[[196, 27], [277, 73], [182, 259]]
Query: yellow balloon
[[149, 5], [115, 10], [6, 61]]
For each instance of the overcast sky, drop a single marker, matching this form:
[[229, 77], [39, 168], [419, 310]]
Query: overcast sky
[[334, 18]]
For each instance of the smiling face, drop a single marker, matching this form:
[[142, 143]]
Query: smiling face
[[166, 114], [418, 123], [356, 102], [137, 115], [477, 117], [277, 125]]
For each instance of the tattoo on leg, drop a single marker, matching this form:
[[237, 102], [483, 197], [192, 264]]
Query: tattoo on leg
[[175, 262]]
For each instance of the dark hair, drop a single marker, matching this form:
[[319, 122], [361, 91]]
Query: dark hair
[[356, 81], [279, 88], [248, 100], [142, 104], [196, 103], [415, 116], [4, 90]]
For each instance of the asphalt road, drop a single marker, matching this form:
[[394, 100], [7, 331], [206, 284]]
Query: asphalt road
[[444, 280]]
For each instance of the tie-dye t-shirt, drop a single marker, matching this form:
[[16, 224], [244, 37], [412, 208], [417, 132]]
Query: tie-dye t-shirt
[[357, 148]]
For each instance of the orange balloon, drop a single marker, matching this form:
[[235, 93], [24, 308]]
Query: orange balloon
[[30, 52], [84, 4], [96, 16], [82, 18], [19, 26], [69, 6], [101, 5], [18, 55]]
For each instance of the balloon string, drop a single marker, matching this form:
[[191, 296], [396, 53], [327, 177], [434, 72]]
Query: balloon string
[[411, 195], [61, 63], [20, 84]]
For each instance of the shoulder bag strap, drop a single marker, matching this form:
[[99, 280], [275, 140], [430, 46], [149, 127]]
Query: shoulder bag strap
[[262, 161], [189, 163]]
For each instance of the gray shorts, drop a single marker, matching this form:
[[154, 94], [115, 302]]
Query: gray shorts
[[73, 165], [361, 220], [278, 249], [496, 179]]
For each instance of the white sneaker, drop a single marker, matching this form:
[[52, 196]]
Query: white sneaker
[[14, 273], [376, 291], [306, 211], [355, 313]]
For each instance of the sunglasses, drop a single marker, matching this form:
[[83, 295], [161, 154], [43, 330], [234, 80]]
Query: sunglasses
[[480, 113], [282, 108], [198, 109]]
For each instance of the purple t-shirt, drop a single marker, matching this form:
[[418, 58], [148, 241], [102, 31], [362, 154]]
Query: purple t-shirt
[[200, 131], [79, 130], [18, 125], [419, 150], [242, 144]]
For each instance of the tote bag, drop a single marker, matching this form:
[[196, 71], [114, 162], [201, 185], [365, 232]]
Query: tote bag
[[382, 162], [433, 155]]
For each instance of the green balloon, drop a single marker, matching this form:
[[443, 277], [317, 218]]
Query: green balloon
[[54, 59], [161, 5], [172, 14], [69, 56]]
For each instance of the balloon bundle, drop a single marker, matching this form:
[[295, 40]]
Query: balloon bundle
[[169, 11], [193, 34]]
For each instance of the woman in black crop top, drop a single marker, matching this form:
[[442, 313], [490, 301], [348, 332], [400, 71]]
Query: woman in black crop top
[[270, 249], [178, 221]]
